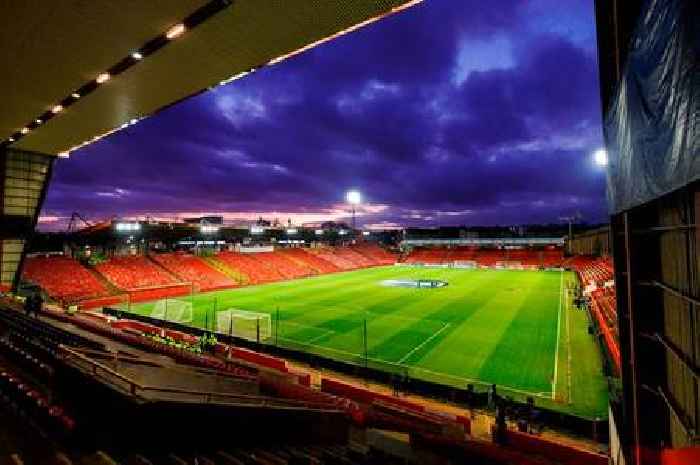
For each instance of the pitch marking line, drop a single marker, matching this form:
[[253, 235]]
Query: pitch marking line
[[418, 347], [556, 352], [415, 368], [319, 337]]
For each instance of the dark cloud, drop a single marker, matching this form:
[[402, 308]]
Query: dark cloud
[[451, 112]]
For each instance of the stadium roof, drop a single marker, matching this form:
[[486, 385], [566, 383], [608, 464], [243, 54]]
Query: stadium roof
[[52, 50]]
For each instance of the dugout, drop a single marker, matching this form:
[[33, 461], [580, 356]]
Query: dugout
[[649, 54]]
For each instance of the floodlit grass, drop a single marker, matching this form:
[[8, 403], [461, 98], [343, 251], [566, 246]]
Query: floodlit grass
[[487, 326]]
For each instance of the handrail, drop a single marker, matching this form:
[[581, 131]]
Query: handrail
[[208, 396]]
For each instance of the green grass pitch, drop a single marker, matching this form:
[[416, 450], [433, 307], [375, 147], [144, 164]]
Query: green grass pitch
[[517, 329]]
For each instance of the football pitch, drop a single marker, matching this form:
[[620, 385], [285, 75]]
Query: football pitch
[[514, 328]]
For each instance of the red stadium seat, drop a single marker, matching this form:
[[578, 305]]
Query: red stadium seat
[[63, 278], [135, 272]]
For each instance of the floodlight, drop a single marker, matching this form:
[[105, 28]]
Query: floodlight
[[24, 130], [209, 229], [57, 109], [75, 95], [353, 197], [136, 56], [104, 77], [175, 31], [600, 157], [127, 227]]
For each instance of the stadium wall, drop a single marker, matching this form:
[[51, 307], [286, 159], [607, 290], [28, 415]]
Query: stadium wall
[[595, 242], [650, 85]]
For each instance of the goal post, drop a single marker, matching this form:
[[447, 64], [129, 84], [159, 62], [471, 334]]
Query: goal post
[[254, 326], [175, 310]]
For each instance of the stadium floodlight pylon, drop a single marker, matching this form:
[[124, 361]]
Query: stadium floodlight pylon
[[254, 326]]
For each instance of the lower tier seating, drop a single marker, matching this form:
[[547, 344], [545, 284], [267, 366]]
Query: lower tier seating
[[191, 268], [63, 278], [135, 272]]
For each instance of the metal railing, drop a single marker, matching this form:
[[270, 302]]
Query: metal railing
[[134, 388]]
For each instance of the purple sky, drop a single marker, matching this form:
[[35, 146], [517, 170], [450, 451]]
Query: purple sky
[[450, 113]]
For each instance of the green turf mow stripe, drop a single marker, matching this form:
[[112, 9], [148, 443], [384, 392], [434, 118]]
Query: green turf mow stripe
[[486, 325]]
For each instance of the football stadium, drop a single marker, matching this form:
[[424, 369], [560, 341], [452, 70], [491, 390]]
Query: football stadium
[[263, 232]]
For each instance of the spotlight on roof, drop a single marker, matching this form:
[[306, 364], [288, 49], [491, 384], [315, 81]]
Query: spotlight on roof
[[353, 197], [600, 157], [175, 31], [104, 77], [57, 109], [136, 56]]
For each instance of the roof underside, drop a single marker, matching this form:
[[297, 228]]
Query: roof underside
[[50, 49]]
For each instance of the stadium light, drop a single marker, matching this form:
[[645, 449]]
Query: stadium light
[[175, 31], [600, 157], [208, 229], [354, 198], [127, 227], [104, 77]]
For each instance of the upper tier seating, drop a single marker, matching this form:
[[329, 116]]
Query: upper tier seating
[[63, 278], [135, 272], [486, 257], [327, 254], [357, 259], [191, 268], [251, 266], [375, 254], [285, 266], [311, 260], [421, 255]]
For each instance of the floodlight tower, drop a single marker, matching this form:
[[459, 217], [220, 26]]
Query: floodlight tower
[[354, 198]]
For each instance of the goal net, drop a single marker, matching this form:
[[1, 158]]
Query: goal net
[[179, 311], [242, 323]]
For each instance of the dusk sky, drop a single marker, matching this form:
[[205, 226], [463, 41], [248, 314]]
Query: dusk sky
[[454, 112]]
